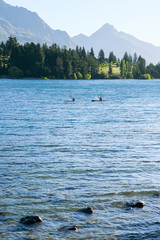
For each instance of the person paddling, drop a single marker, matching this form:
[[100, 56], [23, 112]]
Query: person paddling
[[73, 99], [100, 99]]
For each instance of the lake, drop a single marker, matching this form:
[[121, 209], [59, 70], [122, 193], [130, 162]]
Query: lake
[[58, 156]]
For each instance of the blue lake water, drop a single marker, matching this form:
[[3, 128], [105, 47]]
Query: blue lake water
[[57, 157]]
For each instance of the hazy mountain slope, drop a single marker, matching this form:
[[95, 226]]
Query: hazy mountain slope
[[27, 26], [4, 27], [109, 39]]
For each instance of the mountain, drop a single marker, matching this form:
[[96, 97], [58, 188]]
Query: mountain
[[109, 39], [27, 26]]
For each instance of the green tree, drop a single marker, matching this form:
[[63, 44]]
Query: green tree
[[79, 75], [151, 70], [126, 57], [16, 57], [146, 76], [135, 59], [34, 59], [101, 56], [83, 68], [75, 61], [112, 57], [130, 58], [136, 72], [93, 66], [141, 65], [11, 44], [15, 72], [68, 72], [50, 61], [157, 71], [83, 53], [110, 70], [139, 69], [88, 76], [123, 68], [92, 53], [39, 60], [59, 64], [3, 49], [74, 76], [129, 75]]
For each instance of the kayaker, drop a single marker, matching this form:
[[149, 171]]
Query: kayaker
[[73, 99]]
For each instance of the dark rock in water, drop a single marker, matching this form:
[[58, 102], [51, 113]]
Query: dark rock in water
[[87, 210], [135, 204], [156, 195], [30, 220], [72, 228], [139, 204]]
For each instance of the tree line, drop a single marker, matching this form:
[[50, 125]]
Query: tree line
[[42, 61]]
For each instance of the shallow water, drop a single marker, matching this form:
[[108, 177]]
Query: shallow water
[[58, 156]]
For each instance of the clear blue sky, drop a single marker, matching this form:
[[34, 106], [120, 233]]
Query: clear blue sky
[[140, 18]]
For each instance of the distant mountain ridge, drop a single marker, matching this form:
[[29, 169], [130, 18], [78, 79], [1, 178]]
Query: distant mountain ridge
[[27, 26], [109, 39]]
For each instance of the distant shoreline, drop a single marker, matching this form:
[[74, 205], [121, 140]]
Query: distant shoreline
[[112, 79]]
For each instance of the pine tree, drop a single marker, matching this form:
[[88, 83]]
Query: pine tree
[[101, 56], [92, 53], [123, 68], [112, 57]]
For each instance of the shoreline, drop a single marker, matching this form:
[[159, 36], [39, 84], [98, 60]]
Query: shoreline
[[99, 79]]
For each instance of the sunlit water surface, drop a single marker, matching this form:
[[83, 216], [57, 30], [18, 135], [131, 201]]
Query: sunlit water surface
[[57, 157]]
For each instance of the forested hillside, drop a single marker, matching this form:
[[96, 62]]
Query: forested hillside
[[42, 61]]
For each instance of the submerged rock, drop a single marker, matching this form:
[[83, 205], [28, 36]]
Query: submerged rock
[[68, 228], [156, 195], [87, 210], [94, 221], [135, 204], [29, 220], [73, 228]]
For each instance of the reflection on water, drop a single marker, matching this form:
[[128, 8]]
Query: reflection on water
[[57, 157]]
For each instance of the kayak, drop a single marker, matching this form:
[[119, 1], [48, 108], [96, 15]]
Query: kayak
[[98, 101], [68, 101]]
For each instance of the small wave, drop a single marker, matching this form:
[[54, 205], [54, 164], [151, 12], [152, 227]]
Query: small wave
[[134, 193], [141, 236]]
